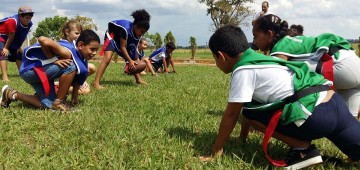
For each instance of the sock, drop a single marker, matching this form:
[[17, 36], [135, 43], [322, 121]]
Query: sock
[[13, 96]]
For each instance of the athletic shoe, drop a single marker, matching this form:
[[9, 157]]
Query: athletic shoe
[[6, 95], [298, 159]]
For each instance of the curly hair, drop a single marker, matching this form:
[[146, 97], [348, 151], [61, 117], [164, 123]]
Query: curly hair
[[141, 18]]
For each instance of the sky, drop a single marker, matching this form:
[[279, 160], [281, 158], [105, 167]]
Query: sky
[[185, 18]]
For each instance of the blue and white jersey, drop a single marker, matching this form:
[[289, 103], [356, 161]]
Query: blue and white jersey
[[20, 34], [132, 41], [33, 56], [80, 62], [158, 55]]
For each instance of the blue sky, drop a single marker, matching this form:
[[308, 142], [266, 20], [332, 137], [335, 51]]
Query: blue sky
[[185, 18]]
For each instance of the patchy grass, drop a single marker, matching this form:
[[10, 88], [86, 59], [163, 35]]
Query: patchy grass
[[167, 124]]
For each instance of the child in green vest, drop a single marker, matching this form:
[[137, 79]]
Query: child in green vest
[[268, 88], [327, 54]]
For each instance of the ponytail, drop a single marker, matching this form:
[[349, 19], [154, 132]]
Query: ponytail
[[273, 23], [141, 18]]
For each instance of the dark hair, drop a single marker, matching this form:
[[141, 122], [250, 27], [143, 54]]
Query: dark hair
[[266, 2], [141, 18], [87, 36], [170, 45], [295, 30], [273, 23], [229, 39], [68, 25], [27, 14]]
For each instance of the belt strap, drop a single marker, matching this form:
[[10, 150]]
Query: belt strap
[[106, 43], [275, 119], [44, 79]]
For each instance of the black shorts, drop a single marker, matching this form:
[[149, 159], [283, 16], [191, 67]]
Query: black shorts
[[332, 120], [156, 66]]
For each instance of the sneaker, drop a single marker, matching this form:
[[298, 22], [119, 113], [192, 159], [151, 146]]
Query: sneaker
[[6, 96], [298, 159], [60, 105]]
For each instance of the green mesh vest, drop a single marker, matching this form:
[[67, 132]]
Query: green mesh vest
[[303, 46], [302, 78]]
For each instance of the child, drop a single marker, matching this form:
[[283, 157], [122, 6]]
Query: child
[[123, 37], [13, 32], [267, 88], [142, 46], [161, 58], [70, 32], [327, 54], [50, 60]]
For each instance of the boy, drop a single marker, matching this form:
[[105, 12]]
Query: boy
[[161, 58], [268, 90], [13, 32], [50, 60]]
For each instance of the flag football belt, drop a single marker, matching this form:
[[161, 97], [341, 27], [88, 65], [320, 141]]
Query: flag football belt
[[275, 118], [109, 37], [325, 64]]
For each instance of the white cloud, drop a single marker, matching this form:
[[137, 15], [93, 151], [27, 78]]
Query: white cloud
[[185, 18]]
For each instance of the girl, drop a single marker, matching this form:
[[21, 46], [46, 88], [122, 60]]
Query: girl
[[123, 37], [327, 54], [142, 46], [70, 32]]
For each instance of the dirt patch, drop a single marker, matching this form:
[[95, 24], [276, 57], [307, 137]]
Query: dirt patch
[[177, 61]]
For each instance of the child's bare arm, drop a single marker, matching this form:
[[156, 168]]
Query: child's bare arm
[[52, 48], [245, 128], [172, 64], [5, 51], [123, 49], [227, 124], [166, 70]]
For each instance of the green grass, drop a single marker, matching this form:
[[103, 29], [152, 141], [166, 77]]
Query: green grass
[[181, 54], [167, 124]]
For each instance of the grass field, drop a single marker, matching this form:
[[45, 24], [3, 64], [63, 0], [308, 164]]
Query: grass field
[[186, 54], [167, 124]]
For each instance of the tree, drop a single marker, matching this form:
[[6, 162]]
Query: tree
[[156, 39], [33, 40], [224, 12], [86, 22], [193, 46], [50, 27], [169, 38]]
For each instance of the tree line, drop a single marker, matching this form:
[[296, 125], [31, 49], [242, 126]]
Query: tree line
[[222, 12]]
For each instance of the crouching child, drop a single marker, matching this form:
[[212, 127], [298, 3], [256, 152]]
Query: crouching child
[[49, 60]]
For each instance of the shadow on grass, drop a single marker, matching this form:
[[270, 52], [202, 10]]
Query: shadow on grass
[[202, 143], [216, 112]]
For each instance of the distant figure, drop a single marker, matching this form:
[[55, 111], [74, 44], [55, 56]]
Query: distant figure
[[264, 11], [13, 32], [143, 44], [295, 30], [162, 58]]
